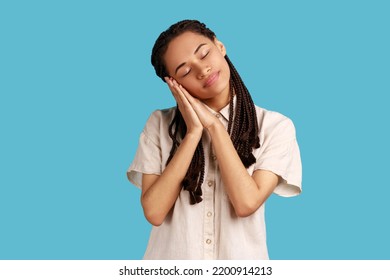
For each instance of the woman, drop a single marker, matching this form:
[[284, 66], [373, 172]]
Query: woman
[[207, 166]]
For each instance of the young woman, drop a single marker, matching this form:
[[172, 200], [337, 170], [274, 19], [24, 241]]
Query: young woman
[[207, 166]]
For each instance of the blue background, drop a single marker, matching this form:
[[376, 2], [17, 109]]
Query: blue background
[[77, 87]]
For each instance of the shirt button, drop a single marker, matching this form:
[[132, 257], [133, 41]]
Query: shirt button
[[218, 115], [208, 241], [209, 214], [210, 183]]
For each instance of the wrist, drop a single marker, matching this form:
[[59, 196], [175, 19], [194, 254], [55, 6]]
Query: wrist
[[194, 134], [215, 126]]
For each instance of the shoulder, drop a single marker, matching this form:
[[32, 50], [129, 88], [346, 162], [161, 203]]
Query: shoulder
[[159, 119], [157, 125], [162, 114], [271, 123]]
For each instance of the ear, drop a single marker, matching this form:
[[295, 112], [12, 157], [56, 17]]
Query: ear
[[220, 46]]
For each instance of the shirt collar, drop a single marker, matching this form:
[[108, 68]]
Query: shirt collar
[[224, 112]]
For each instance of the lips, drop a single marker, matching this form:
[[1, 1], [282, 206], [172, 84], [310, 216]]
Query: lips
[[211, 79]]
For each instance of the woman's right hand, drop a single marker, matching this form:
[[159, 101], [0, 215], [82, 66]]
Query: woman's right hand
[[190, 117]]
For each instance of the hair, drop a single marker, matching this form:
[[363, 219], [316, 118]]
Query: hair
[[242, 127]]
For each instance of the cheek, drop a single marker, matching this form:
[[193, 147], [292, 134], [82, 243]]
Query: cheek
[[191, 87], [193, 92]]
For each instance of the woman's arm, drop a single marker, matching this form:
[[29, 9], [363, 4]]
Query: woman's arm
[[246, 193], [159, 192]]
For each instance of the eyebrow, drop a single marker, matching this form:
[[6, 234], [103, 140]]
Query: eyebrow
[[196, 50]]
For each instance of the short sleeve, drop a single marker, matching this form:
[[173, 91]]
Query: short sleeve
[[148, 155], [280, 154]]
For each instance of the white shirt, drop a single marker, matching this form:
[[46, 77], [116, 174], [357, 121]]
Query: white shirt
[[211, 229]]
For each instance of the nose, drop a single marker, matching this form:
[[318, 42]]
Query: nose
[[204, 71]]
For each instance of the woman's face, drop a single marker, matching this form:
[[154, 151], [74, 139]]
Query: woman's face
[[199, 64]]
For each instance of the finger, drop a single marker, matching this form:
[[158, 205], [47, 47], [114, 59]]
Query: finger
[[174, 90], [181, 93], [169, 83], [194, 102], [191, 99], [187, 95]]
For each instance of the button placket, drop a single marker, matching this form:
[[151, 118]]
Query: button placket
[[208, 220], [209, 226]]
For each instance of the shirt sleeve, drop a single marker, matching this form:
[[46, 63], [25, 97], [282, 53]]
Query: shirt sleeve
[[280, 155], [148, 155]]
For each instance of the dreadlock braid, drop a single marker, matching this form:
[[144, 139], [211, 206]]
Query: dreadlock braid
[[242, 126], [194, 177]]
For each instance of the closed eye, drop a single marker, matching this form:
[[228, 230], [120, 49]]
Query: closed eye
[[188, 72], [202, 57]]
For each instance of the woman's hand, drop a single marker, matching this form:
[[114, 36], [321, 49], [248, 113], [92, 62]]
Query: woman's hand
[[190, 117], [192, 104]]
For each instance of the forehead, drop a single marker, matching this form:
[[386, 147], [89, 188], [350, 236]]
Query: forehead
[[182, 47]]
